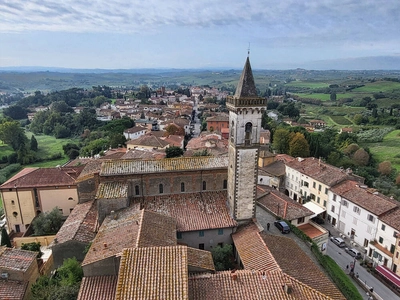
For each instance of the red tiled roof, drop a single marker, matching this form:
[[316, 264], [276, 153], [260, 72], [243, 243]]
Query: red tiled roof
[[392, 218], [80, 224], [193, 211], [98, 287], [153, 273], [200, 259], [129, 228], [112, 190], [148, 140], [144, 154], [314, 168], [16, 259], [373, 202], [12, 290], [44, 177], [294, 262], [92, 167], [280, 204], [252, 250], [249, 285]]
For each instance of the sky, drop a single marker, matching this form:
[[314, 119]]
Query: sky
[[129, 34]]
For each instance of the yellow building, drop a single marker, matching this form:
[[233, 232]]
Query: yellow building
[[36, 190]]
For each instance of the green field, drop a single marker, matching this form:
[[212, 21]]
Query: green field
[[322, 97], [388, 149], [306, 84], [340, 120], [47, 146], [378, 86]]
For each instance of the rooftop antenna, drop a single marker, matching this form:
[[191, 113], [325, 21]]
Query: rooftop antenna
[[248, 50]]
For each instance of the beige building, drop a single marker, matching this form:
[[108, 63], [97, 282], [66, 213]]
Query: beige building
[[36, 190]]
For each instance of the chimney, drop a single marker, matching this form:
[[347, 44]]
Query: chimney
[[105, 245], [288, 288], [233, 274]]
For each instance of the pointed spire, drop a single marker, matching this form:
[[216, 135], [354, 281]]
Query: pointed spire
[[246, 86]]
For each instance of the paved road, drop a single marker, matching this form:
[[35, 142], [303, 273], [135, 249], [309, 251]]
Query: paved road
[[343, 259]]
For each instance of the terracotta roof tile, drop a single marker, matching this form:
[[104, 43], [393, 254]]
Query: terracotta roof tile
[[128, 228], [12, 290], [280, 204], [80, 225], [90, 168], [112, 190], [200, 259], [392, 219], [153, 273], [44, 177], [148, 140], [193, 211], [294, 262], [98, 287], [276, 168], [252, 250], [16, 259], [125, 167], [143, 154], [318, 170], [249, 285], [371, 201]]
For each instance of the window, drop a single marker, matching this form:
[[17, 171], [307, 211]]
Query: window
[[161, 188], [397, 254], [326, 191], [12, 202], [356, 209], [182, 186], [15, 214], [334, 198], [343, 214], [220, 231], [248, 132], [319, 187], [383, 227], [314, 185], [71, 199], [395, 234], [371, 218], [137, 191], [60, 209], [305, 183], [392, 248], [300, 220], [332, 209], [380, 240], [225, 184], [345, 203], [179, 235], [354, 221], [324, 203], [318, 199], [204, 185], [201, 233], [201, 246]]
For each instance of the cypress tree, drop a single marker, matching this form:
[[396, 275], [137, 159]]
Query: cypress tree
[[5, 239]]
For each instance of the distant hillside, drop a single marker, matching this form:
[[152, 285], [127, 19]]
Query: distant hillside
[[360, 63]]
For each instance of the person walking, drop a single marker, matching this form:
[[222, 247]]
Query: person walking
[[268, 226]]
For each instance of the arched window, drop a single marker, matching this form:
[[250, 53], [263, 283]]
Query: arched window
[[137, 191], [225, 184], [248, 131], [182, 186], [204, 185], [161, 188]]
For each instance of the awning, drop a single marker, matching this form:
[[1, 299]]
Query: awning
[[389, 275], [314, 208]]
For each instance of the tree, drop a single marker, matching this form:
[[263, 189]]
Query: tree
[[11, 133], [5, 239], [298, 146], [71, 150], [48, 222], [222, 257], [15, 112], [173, 129], [173, 151], [385, 168], [333, 96], [34, 143], [361, 157], [281, 140]]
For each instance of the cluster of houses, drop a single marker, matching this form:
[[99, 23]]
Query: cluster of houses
[[148, 223]]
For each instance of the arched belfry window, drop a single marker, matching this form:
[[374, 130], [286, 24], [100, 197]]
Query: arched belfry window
[[161, 188], [248, 131]]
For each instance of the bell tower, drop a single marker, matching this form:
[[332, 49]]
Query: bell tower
[[245, 113]]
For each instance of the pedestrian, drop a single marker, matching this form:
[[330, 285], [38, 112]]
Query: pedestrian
[[347, 267], [268, 226]]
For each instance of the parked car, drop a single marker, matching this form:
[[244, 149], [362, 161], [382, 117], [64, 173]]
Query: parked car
[[338, 241], [353, 252], [282, 226]]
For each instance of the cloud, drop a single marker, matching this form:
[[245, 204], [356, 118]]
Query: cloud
[[273, 23]]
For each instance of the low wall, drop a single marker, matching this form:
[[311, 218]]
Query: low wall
[[43, 240]]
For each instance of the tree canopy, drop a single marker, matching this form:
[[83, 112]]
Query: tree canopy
[[48, 222], [173, 151]]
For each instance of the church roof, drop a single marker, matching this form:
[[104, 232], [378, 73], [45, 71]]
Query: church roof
[[246, 86]]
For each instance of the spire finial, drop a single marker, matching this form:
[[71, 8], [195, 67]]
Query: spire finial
[[248, 50]]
